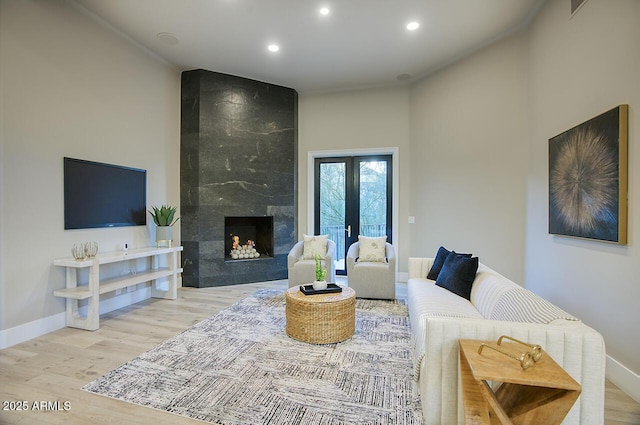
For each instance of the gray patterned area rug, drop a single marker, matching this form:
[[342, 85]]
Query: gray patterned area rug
[[240, 367]]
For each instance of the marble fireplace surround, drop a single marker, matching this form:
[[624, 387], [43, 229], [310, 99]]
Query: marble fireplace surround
[[238, 149]]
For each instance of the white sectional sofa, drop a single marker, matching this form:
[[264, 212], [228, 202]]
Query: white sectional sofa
[[497, 306]]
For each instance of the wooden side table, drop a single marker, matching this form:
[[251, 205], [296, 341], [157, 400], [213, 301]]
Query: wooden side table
[[541, 394]]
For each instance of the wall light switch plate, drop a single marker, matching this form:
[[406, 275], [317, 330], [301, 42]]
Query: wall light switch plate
[[412, 220]]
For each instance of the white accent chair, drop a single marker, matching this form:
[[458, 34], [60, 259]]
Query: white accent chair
[[303, 271], [375, 280]]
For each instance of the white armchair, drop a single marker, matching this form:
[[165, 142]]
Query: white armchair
[[302, 271], [372, 279]]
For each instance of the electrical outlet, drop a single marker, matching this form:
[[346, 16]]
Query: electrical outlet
[[412, 220]]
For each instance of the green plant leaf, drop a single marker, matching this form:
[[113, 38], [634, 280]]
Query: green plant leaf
[[320, 273], [164, 216]]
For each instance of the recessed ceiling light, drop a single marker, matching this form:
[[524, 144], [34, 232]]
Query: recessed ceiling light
[[273, 47], [324, 10], [412, 26]]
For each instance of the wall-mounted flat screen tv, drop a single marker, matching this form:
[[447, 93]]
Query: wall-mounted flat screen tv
[[103, 195]]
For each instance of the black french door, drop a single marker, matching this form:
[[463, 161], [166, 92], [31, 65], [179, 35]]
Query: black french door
[[352, 197]]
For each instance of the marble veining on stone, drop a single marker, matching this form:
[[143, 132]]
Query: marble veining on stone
[[238, 144]]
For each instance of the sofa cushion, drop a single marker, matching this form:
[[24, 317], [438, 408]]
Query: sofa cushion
[[438, 262], [314, 245], [457, 274], [372, 249], [488, 288], [522, 305], [428, 300], [425, 301]]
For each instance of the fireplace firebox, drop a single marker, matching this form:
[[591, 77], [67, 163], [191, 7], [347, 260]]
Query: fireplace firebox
[[248, 238]]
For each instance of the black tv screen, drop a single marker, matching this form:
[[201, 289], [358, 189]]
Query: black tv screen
[[103, 195]]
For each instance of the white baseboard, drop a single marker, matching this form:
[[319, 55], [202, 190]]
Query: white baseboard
[[623, 378], [36, 328], [30, 330], [124, 300]]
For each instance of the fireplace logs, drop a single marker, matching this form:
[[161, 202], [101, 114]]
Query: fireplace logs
[[241, 252]]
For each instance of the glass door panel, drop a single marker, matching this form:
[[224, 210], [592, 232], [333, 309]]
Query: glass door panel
[[373, 180], [332, 207], [352, 197]]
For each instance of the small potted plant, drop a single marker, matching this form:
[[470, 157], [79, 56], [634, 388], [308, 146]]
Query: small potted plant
[[164, 218], [321, 273]]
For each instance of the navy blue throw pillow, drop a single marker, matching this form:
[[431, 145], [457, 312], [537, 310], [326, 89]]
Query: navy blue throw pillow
[[438, 262], [457, 274]]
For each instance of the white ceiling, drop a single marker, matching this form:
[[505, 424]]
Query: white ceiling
[[361, 43]]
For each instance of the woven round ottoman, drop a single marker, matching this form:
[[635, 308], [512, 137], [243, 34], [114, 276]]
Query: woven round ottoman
[[321, 318]]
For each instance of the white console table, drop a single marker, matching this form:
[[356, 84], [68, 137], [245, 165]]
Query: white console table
[[95, 286]]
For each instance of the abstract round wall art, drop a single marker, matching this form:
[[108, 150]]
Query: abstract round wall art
[[588, 179]]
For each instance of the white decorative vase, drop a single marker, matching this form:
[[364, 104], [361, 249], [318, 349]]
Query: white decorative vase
[[319, 284], [164, 235]]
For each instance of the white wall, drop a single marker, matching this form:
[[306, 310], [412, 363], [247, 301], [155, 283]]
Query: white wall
[[580, 68], [70, 87], [364, 119], [469, 158], [479, 163]]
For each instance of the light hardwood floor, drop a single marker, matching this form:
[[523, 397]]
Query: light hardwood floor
[[54, 367]]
